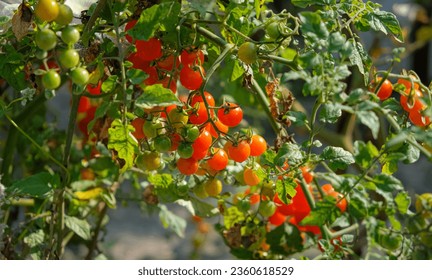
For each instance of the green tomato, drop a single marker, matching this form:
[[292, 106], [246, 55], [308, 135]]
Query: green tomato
[[248, 52], [178, 118], [267, 208], [273, 30], [69, 58], [149, 161], [65, 15], [46, 39], [80, 76], [162, 143], [70, 35], [200, 191], [152, 128], [213, 187], [190, 132], [185, 150], [51, 80]]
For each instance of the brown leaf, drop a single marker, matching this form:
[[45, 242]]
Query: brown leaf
[[21, 21]]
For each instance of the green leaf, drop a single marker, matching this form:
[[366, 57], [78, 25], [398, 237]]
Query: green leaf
[[162, 16], [156, 95], [164, 187], [297, 118], [337, 157], [305, 3], [79, 226], [286, 189], [325, 212], [312, 26], [387, 183], [109, 84], [237, 70], [330, 113], [121, 140], [385, 21], [290, 153], [357, 207], [109, 198], [136, 76], [371, 120], [34, 239], [282, 235], [39, 185], [172, 221], [365, 153], [233, 216], [403, 201], [268, 158], [203, 209]]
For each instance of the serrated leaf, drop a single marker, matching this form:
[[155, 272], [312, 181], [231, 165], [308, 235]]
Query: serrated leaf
[[290, 153], [109, 84], [337, 157], [325, 212], [365, 153], [313, 26], [268, 158], [38, 185], [34, 239], [297, 118], [172, 221], [233, 216], [403, 201], [156, 95], [136, 76], [387, 183], [286, 189], [78, 226], [162, 16], [203, 209], [371, 120], [385, 21], [164, 187], [330, 113], [121, 140]]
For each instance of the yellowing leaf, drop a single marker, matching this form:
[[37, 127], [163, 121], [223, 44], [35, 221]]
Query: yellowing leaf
[[89, 194], [120, 139]]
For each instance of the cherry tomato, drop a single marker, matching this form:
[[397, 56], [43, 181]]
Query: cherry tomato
[[80, 76], [69, 58], [203, 142], [306, 174], [149, 161], [219, 160], [190, 133], [153, 128], [162, 143], [418, 119], [258, 145], [138, 124], [198, 98], [191, 78], [199, 115], [220, 127], [385, 90], [47, 10], [178, 117], [213, 187], [187, 166], [175, 141], [327, 188], [169, 62], [267, 208], [272, 30], [46, 39], [149, 50], [230, 114], [168, 82], [94, 89], [128, 26], [340, 203], [185, 150], [412, 103], [250, 177], [200, 191], [70, 35], [239, 152], [84, 104], [193, 57], [65, 15], [248, 52], [277, 218], [407, 83], [51, 80]]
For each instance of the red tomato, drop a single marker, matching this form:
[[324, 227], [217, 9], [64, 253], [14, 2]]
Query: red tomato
[[219, 160], [239, 152], [193, 57], [258, 145], [149, 50], [230, 114], [128, 26], [192, 78]]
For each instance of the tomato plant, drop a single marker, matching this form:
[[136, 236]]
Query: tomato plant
[[282, 129]]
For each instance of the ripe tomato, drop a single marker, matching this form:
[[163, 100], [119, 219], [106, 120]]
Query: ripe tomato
[[47, 10], [84, 104], [70, 35], [277, 218], [51, 80], [128, 26], [340, 203], [162, 143], [413, 102], [250, 177], [169, 62], [175, 141], [193, 57], [65, 15], [149, 50], [69, 58], [168, 82], [213, 187], [418, 119], [299, 207], [220, 127], [46, 39], [80, 76], [203, 142], [248, 52], [199, 115], [385, 90], [198, 98], [239, 152], [191, 78], [138, 124], [306, 174], [230, 114], [219, 160], [185, 150], [258, 145], [94, 89], [187, 166], [407, 83]]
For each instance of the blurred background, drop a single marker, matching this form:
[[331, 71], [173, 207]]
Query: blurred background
[[130, 234]]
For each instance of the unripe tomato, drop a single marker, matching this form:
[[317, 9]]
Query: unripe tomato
[[149, 161], [65, 15], [272, 30], [178, 117], [190, 132], [185, 150], [80, 76], [46, 39], [248, 52], [69, 58], [47, 10], [51, 80], [162, 143], [200, 191], [153, 128], [267, 208], [70, 35], [213, 187]]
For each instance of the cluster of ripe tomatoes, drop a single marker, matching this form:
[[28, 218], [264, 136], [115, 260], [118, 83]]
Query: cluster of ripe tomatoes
[[410, 98]]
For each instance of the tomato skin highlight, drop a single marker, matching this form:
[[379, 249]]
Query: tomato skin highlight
[[258, 145], [230, 114], [219, 160], [240, 152]]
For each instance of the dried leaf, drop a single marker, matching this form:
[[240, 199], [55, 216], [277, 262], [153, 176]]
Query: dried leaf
[[21, 21]]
